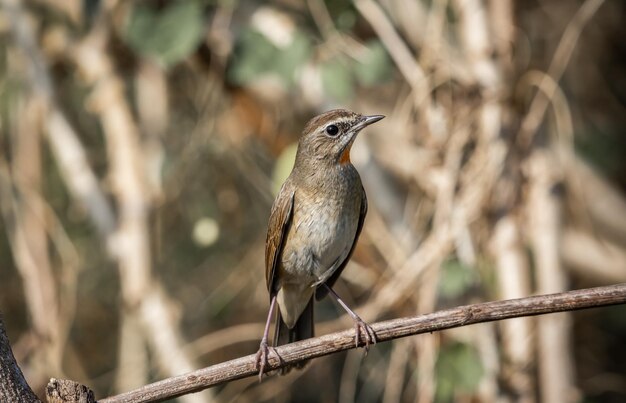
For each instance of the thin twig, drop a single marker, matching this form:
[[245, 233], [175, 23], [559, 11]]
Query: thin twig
[[385, 331]]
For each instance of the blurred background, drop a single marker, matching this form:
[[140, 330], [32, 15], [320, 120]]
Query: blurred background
[[142, 144]]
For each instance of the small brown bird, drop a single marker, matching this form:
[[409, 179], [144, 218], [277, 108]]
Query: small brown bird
[[313, 228]]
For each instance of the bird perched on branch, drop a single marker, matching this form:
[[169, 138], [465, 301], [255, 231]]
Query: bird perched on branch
[[313, 228]]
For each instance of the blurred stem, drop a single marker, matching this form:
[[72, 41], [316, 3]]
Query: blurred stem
[[29, 239], [556, 369], [593, 259], [397, 48], [474, 35], [66, 146], [349, 377], [332, 36], [513, 271], [560, 60], [153, 108], [426, 349], [132, 357], [396, 371]]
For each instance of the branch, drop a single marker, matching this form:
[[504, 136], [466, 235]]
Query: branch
[[64, 391], [320, 346], [13, 386]]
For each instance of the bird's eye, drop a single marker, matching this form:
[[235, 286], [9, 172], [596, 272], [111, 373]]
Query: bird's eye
[[332, 130]]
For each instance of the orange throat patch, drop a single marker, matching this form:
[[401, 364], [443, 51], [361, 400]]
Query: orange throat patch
[[344, 158]]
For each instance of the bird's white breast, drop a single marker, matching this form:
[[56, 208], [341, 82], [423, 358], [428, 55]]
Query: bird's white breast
[[321, 236]]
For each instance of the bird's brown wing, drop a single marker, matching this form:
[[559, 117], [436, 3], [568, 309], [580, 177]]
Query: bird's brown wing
[[322, 291], [279, 223]]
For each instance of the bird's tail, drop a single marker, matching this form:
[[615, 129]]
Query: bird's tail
[[303, 329]]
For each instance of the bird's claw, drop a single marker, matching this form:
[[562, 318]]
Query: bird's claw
[[369, 336], [261, 359]]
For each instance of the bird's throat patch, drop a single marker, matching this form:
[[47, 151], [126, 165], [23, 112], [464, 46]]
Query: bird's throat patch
[[344, 158]]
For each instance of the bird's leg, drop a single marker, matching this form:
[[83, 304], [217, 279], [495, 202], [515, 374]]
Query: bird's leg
[[359, 324], [264, 349]]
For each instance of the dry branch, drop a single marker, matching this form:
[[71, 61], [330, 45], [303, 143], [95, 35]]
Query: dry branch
[[388, 330], [13, 386], [64, 391]]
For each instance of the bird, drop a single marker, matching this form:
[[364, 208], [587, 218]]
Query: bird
[[314, 225]]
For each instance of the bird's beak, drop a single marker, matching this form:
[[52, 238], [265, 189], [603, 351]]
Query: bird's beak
[[344, 156], [366, 121]]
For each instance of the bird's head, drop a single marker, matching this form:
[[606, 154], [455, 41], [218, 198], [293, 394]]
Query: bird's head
[[328, 137]]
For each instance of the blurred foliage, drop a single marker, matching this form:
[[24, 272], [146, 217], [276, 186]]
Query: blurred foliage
[[459, 371], [376, 67], [168, 34], [605, 149], [338, 74], [255, 56], [456, 279], [283, 166], [337, 80]]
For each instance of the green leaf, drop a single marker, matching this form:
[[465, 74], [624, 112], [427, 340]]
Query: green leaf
[[337, 80], [169, 34], [459, 369], [455, 279], [375, 67]]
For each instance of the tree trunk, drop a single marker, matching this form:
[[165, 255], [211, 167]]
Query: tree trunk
[[13, 386]]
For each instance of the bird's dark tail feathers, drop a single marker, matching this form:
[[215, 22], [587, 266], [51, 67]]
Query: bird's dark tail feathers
[[303, 329]]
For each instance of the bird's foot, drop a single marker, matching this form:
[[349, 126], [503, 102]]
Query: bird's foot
[[369, 336], [262, 357]]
